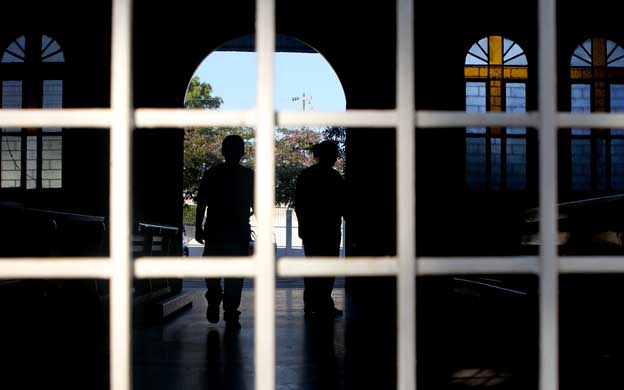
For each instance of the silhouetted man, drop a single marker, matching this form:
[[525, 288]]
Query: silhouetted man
[[319, 208], [226, 197]]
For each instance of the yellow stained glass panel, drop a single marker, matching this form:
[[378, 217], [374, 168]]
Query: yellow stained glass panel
[[580, 73], [496, 72], [619, 73], [599, 52], [519, 73], [483, 72], [600, 73], [472, 71], [495, 48], [495, 103]]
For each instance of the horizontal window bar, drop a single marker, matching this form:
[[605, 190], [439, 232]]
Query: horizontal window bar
[[591, 264], [351, 118], [62, 268], [190, 267], [179, 267], [184, 118], [427, 119], [69, 117], [327, 266], [478, 265], [597, 119]]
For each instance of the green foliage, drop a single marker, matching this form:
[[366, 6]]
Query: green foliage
[[188, 217], [202, 149], [293, 153], [199, 95]]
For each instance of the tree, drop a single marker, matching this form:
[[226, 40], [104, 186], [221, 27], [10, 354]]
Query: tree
[[293, 147], [202, 149], [293, 153], [199, 95]]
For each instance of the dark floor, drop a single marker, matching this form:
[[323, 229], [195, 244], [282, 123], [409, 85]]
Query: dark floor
[[187, 352], [467, 339]]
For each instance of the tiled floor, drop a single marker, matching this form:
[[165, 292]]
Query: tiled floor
[[464, 342], [187, 352]]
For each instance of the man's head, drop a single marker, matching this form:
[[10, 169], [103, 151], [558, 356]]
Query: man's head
[[326, 152], [233, 148]]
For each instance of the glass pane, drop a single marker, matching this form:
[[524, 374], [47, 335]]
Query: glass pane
[[58, 57], [45, 40], [476, 102], [52, 48], [581, 102], [617, 63], [617, 103], [581, 164], [484, 45], [513, 51], [8, 57], [16, 50], [583, 52], [617, 164], [521, 60], [601, 165], [475, 163], [52, 162], [473, 60], [12, 94], [31, 162], [578, 62], [52, 98], [11, 172], [495, 177], [22, 42], [515, 101], [614, 59], [11, 97], [516, 163]]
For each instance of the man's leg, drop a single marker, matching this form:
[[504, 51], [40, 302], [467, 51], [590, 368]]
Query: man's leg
[[325, 286], [214, 296], [310, 295], [232, 298]]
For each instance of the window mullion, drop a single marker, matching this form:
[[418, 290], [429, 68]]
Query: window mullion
[[549, 265]]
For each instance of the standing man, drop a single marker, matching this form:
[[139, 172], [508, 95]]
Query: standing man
[[226, 198], [319, 207]]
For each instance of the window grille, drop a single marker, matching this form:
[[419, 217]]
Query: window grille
[[120, 269]]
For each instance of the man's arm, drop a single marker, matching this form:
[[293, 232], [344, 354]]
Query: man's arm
[[199, 220], [200, 212]]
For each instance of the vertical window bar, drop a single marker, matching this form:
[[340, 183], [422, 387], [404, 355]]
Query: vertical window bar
[[120, 186], [264, 349], [406, 196], [549, 267]]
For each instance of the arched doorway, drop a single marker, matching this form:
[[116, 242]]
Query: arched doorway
[[226, 80]]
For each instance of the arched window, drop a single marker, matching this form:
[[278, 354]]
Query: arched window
[[597, 84], [32, 77], [496, 74]]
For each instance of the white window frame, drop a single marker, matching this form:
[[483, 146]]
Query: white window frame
[[122, 118]]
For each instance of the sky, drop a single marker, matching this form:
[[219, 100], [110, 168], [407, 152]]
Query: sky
[[232, 76]]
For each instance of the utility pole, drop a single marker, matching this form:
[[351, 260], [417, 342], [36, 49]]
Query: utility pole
[[303, 99]]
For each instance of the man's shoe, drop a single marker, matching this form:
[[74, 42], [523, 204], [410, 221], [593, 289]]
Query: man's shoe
[[212, 313], [231, 325]]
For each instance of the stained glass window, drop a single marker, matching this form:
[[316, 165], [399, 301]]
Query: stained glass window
[[597, 85], [496, 71], [32, 158]]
